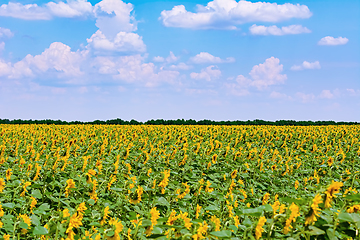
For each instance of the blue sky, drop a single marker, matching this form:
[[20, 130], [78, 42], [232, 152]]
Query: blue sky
[[219, 60]]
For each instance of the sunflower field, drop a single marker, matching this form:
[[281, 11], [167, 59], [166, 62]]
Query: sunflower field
[[179, 182]]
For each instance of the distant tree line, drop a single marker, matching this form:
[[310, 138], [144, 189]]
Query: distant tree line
[[180, 122]]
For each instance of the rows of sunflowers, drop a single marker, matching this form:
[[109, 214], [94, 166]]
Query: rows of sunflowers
[[179, 182]]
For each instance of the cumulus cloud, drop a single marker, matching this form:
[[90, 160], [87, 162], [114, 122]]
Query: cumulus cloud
[[26, 12], [58, 57], [4, 32], [158, 59], [208, 73], [70, 9], [181, 66], [116, 23], [226, 14], [73, 8], [5, 68], [172, 58], [192, 91], [205, 57], [114, 16], [261, 76], [326, 94], [306, 65], [353, 92], [169, 59], [331, 41], [274, 30], [267, 73], [305, 98], [123, 42], [278, 95], [105, 65], [133, 69]]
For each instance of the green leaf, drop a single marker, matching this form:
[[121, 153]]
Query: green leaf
[[247, 222], [315, 231], [40, 230], [256, 212], [8, 205], [212, 208], [91, 201], [156, 236], [157, 230], [44, 207], [23, 225], [222, 234], [110, 233], [173, 226], [331, 234], [35, 220], [354, 197], [327, 218], [345, 217], [234, 228], [36, 193], [292, 200], [266, 208], [146, 223], [95, 224], [162, 201]]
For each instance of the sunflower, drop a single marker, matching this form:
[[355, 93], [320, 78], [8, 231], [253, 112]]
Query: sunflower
[[331, 191]]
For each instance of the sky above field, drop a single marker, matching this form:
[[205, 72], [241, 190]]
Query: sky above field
[[141, 59]]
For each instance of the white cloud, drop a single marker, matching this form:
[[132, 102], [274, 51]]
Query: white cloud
[[181, 66], [105, 65], [22, 68], [115, 23], [172, 58], [123, 42], [305, 97], [26, 12], [226, 14], [73, 8], [240, 88], [237, 90], [261, 76], [2, 46], [205, 57], [169, 59], [207, 73], [70, 9], [192, 91], [306, 65], [114, 16], [5, 68], [278, 95], [133, 69], [58, 57], [333, 41], [4, 32], [267, 73], [158, 59], [353, 92], [326, 94], [274, 30]]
